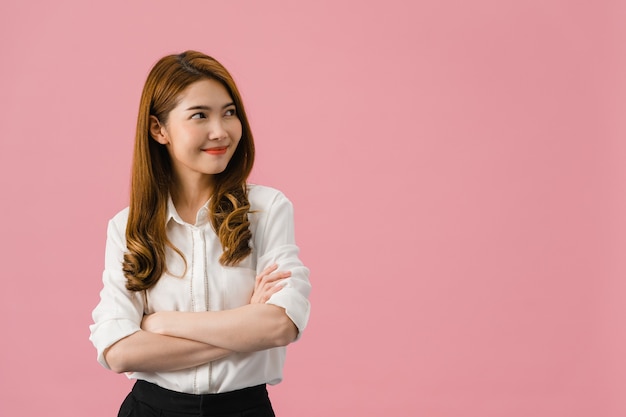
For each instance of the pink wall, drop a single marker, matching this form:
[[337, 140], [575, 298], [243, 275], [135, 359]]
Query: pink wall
[[458, 170]]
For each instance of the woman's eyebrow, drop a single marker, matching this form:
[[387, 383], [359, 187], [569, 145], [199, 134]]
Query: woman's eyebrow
[[202, 107]]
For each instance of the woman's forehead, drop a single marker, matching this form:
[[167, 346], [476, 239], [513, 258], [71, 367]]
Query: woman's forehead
[[207, 92]]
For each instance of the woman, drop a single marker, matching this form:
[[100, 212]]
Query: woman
[[203, 288]]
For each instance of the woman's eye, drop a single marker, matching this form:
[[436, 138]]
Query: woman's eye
[[198, 116], [231, 112]]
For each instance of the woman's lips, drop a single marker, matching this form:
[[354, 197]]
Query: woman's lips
[[217, 151]]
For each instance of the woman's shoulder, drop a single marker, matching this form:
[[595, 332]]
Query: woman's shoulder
[[263, 197], [120, 219]]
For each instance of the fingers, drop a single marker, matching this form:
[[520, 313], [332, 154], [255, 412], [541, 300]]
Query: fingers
[[269, 275], [269, 270], [265, 294], [267, 283]]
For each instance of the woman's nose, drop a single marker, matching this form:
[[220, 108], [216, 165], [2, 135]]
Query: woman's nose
[[217, 130]]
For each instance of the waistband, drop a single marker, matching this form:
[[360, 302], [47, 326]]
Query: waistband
[[226, 402]]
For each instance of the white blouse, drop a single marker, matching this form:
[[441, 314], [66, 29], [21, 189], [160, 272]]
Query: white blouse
[[207, 285]]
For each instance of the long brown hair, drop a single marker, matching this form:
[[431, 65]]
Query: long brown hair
[[146, 237]]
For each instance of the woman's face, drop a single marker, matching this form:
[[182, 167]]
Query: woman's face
[[202, 131]]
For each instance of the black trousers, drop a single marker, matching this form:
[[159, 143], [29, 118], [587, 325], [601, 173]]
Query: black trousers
[[150, 400]]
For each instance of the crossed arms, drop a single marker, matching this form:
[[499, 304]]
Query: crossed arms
[[172, 340]]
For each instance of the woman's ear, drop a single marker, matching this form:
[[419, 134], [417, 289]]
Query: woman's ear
[[157, 131]]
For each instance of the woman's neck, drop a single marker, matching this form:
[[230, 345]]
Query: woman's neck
[[190, 196]]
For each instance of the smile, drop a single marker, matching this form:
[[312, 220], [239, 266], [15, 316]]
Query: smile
[[217, 151]]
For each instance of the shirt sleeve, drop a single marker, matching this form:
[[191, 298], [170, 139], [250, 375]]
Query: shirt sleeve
[[277, 246], [119, 312]]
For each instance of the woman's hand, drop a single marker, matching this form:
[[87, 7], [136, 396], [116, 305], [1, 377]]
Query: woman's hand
[[267, 283]]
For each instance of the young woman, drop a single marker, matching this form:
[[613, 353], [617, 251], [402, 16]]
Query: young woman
[[203, 287]]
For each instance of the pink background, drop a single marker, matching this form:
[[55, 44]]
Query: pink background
[[458, 171]]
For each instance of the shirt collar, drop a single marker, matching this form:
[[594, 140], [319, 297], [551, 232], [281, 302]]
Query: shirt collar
[[202, 217]]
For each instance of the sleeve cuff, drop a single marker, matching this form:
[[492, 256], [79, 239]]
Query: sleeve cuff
[[297, 307], [105, 334]]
